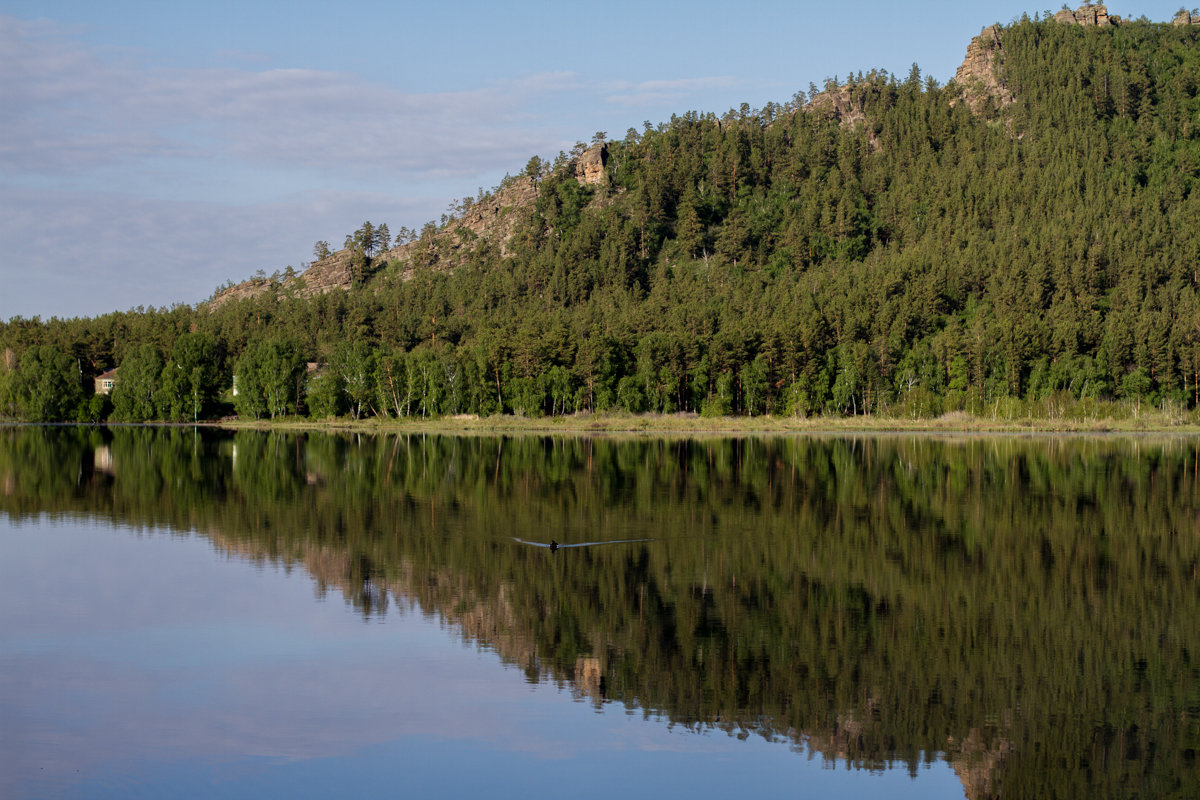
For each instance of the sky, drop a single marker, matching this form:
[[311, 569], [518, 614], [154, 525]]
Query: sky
[[150, 152]]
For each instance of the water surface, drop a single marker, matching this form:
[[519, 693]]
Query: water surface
[[212, 614]]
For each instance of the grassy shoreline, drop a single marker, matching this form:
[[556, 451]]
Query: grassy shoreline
[[650, 424]]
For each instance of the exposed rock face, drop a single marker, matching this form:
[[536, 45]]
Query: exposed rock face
[[332, 272], [495, 219], [1185, 17], [979, 74], [844, 106], [492, 221], [1087, 14], [838, 104], [243, 290], [589, 167]]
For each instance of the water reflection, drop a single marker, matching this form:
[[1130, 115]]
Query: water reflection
[[1022, 608]]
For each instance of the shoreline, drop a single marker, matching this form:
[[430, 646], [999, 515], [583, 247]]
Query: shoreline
[[588, 424]]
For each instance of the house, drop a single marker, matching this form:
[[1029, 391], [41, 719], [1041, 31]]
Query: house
[[105, 381]]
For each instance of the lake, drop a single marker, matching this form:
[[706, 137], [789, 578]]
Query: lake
[[204, 613]]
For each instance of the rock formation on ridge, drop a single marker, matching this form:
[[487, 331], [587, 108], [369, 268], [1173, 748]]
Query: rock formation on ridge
[[979, 74]]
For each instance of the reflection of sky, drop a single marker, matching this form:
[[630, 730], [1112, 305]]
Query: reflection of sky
[[150, 665]]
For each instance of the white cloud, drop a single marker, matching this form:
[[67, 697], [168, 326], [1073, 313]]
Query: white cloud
[[659, 92], [70, 110], [73, 110]]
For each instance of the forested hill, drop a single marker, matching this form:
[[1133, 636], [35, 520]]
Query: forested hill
[[1022, 239]]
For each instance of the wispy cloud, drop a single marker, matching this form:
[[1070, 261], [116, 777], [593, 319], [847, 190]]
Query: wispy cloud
[[658, 92], [68, 109]]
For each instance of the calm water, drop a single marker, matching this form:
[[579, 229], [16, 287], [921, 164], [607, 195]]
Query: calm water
[[210, 614]]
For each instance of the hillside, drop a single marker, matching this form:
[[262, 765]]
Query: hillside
[[492, 219], [1020, 240], [495, 218]]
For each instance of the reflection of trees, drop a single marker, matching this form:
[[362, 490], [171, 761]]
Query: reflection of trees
[[1024, 607]]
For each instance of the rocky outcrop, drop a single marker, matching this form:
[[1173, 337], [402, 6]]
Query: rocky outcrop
[[589, 167], [979, 74], [839, 104], [846, 105], [1087, 14], [1185, 17], [331, 272], [493, 220]]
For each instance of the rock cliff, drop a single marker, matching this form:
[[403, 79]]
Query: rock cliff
[[493, 220], [847, 104], [979, 74], [333, 272], [839, 104], [1087, 14], [589, 167]]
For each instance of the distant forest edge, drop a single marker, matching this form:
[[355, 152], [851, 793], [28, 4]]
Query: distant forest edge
[[1018, 243]]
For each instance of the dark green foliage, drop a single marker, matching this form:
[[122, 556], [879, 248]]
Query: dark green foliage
[[268, 378], [136, 395], [190, 379], [47, 386], [324, 395]]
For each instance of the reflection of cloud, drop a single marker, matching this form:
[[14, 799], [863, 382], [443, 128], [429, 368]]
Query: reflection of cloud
[[164, 651], [65, 715]]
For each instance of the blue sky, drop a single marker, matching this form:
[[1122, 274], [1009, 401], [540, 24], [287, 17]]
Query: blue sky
[[151, 151]]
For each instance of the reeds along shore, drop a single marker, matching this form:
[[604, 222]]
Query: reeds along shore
[[1114, 417]]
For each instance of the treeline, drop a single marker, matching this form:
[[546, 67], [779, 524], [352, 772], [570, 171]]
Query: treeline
[[891, 252]]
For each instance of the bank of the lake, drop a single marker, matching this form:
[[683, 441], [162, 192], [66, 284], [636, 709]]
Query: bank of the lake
[[585, 423]]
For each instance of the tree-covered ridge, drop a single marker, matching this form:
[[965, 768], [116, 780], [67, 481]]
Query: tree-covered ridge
[[1020, 603], [890, 252]]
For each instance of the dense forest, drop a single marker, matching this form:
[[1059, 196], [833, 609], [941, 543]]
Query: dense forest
[[899, 251], [1022, 608]]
